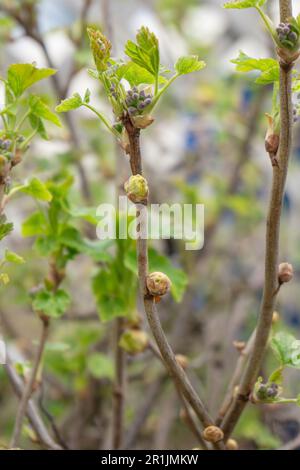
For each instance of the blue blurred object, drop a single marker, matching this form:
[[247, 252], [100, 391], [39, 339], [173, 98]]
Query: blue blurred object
[[286, 202], [54, 14], [246, 99], [292, 316]]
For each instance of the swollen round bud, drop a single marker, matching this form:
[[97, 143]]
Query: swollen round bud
[[134, 341], [275, 317], [231, 444], [137, 189], [213, 434], [182, 360], [158, 284], [285, 272]]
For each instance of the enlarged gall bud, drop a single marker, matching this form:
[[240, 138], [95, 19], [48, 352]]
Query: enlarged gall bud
[[158, 284], [275, 317], [134, 341], [231, 444], [100, 47], [182, 360], [213, 434], [285, 272], [137, 189]]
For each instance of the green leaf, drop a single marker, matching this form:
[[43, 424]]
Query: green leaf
[[4, 278], [136, 75], [45, 245], [35, 188], [52, 304], [42, 111], [22, 76], [287, 349], [35, 224], [188, 64], [100, 366], [37, 123], [12, 257], [244, 4], [97, 250], [269, 68], [145, 52], [5, 228], [68, 104]]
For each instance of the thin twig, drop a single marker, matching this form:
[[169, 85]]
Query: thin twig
[[29, 386], [174, 369], [51, 420], [32, 412], [119, 389], [236, 377], [272, 241]]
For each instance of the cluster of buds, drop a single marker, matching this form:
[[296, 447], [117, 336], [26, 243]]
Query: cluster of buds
[[285, 273], [288, 35], [136, 101], [158, 284], [5, 150], [267, 392], [137, 189], [134, 341]]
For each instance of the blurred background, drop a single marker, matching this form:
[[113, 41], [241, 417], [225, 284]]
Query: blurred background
[[206, 145]]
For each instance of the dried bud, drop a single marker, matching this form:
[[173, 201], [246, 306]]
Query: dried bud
[[134, 341], [275, 317], [213, 434], [285, 272], [231, 444], [100, 47], [158, 284], [137, 189], [141, 122], [272, 143], [239, 345], [182, 360]]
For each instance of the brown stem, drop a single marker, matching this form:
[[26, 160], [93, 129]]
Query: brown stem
[[29, 386], [236, 377], [272, 242], [32, 413], [175, 370], [119, 389]]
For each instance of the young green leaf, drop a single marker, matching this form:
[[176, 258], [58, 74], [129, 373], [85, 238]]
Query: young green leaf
[[5, 228], [22, 76], [4, 278], [244, 4], [268, 67], [136, 75], [12, 257], [35, 188], [42, 111], [287, 349], [35, 224], [145, 52], [38, 125], [100, 366], [188, 64], [68, 104], [52, 304]]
